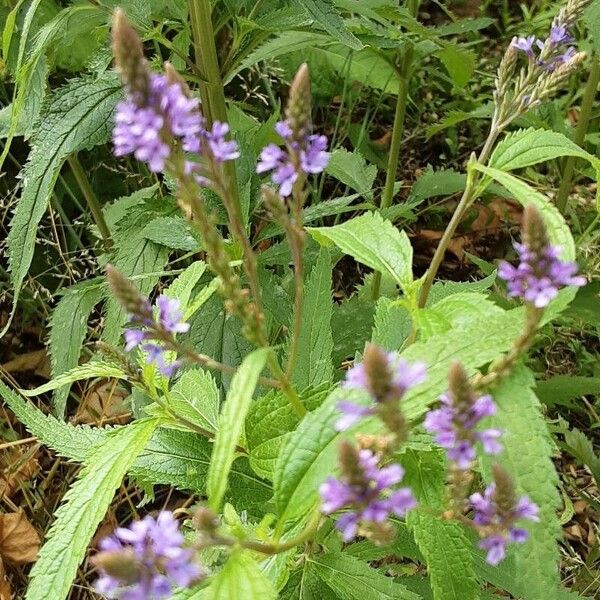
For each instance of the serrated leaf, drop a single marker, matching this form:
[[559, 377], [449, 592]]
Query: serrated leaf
[[591, 16], [459, 62], [231, 424], [580, 446], [183, 286], [374, 242], [84, 506], [351, 326], [173, 232], [195, 396], [240, 579], [532, 146], [436, 183], [86, 371], [77, 117], [68, 326], [352, 170], [392, 324], [353, 579], [527, 456], [561, 389], [447, 552], [326, 14], [315, 343]]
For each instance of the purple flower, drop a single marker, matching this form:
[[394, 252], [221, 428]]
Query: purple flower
[[559, 34], [368, 494], [146, 560], [133, 338], [525, 44], [170, 315], [222, 149], [497, 523], [539, 275], [308, 155], [155, 354], [454, 424]]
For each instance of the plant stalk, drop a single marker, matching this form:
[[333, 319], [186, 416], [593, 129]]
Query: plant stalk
[[397, 133], [585, 115], [90, 198]]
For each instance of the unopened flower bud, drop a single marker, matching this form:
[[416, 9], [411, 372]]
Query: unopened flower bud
[[123, 565], [128, 296], [349, 459], [378, 372], [298, 111], [129, 57], [534, 231], [205, 521], [505, 496]]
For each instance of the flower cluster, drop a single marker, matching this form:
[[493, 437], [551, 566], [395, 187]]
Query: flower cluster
[[496, 513], [454, 423], [145, 561], [385, 377], [305, 155], [540, 273], [366, 490], [169, 321]]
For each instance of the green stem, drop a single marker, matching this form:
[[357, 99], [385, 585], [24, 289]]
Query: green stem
[[212, 90], [397, 133], [585, 115], [90, 198]]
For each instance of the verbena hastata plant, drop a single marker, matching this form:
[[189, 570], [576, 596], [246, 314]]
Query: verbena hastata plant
[[312, 479]]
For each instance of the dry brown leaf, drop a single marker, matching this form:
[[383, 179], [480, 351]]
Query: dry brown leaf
[[36, 361], [16, 467], [103, 403], [19, 541], [5, 589]]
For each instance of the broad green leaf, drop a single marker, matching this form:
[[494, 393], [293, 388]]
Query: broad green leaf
[[592, 19], [269, 422], [315, 343], [351, 326], [459, 62], [77, 117], [527, 456], [305, 584], [353, 579], [374, 242], [284, 43], [430, 184], [563, 389], [447, 553], [392, 324], [231, 424], [173, 232], [327, 16], [558, 230], [184, 284], [83, 508], [240, 579], [68, 326], [352, 170], [195, 396], [86, 371], [531, 146]]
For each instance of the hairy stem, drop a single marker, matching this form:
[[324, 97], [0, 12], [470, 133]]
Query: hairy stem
[[90, 198], [585, 115]]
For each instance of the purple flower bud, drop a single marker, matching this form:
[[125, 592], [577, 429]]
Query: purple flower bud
[[146, 561]]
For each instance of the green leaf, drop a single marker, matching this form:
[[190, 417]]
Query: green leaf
[[374, 242], [532, 146], [84, 507], [351, 326], [352, 170], [240, 579], [315, 342], [582, 449], [86, 371], [447, 552], [459, 62], [173, 232], [327, 16], [231, 424], [353, 579], [561, 389], [65, 439], [68, 326], [430, 184], [195, 396], [284, 43], [527, 456], [183, 286], [591, 16], [392, 324], [77, 117]]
